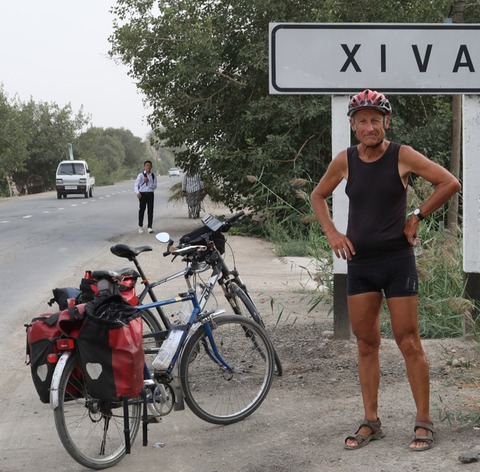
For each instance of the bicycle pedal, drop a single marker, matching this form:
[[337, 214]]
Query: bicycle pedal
[[153, 419]]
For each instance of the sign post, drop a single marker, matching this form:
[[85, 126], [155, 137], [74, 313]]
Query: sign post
[[340, 59]]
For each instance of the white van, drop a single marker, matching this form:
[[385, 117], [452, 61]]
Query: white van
[[73, 177]]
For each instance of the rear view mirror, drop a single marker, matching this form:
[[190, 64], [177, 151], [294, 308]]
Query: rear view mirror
[[163, 237]]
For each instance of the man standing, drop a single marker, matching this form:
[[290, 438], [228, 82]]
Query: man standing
[[378, 249], [145, 185]]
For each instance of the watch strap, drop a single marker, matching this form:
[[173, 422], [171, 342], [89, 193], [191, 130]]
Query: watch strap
[[418, 214]]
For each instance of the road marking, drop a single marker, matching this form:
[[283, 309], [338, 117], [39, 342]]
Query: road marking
[[62, 208]]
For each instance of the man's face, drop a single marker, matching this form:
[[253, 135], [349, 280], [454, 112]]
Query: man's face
[[148, 167], [369, 126]]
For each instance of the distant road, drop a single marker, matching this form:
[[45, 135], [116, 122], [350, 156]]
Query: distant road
[[45, 242]]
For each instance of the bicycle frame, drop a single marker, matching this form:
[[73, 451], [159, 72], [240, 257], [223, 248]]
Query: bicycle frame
[[186, 273], [195, 317]]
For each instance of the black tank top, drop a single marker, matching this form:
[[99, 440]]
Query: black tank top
[[377, 206]]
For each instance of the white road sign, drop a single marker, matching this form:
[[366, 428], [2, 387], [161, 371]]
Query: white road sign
[[340, 58]]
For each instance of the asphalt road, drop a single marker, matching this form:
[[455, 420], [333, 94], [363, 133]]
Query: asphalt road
[[47, 243], [44, 241]]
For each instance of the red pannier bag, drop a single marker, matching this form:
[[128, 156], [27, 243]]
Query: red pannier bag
[[126, 287], [127, 290], [110, 348], [42, 333]]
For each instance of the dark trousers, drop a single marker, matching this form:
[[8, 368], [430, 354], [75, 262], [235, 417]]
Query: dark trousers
[[146, 202]]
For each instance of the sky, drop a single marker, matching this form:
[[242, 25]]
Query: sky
[[57, 51]]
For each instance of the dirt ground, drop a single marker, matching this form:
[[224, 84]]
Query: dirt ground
[[316, 403], [310, 409]]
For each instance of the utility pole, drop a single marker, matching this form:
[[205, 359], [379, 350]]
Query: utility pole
[[457, 12]]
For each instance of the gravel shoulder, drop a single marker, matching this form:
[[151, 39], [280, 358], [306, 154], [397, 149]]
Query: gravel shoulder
[[308, 412]]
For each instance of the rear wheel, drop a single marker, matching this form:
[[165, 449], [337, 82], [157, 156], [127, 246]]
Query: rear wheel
[[225, 394], [92, 430], [153, 336]]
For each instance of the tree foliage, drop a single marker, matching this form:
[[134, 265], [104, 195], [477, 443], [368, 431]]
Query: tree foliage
[[48, 129], [203, 66], [34, 138], [13, 143]]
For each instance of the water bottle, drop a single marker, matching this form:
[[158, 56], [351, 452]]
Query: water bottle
[[168, 349], [184, 314]]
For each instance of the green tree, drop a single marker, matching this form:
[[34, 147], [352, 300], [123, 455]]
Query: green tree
[[49, 128], [104, 153], [134, 148], [13, 144], [203, 66]]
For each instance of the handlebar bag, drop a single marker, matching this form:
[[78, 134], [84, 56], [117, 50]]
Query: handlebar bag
[[110, 348], [197, 236]]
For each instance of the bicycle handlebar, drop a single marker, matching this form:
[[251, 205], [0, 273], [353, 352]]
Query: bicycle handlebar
[[199, 236], [234, 218]]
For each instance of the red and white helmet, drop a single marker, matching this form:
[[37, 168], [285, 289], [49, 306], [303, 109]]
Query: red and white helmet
[[369, 99]]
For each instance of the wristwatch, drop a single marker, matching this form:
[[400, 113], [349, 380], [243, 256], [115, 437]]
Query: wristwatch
[[418, 214]]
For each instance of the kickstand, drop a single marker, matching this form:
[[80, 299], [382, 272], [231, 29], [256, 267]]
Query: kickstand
[[126, 424], [145, 421]]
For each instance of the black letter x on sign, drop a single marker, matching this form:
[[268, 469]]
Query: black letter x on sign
[[350, 58]]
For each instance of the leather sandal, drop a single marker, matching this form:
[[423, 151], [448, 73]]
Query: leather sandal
[[427, 439], [376, 433]]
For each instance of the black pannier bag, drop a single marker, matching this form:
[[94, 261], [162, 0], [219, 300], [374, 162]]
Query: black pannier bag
[[88, 289], [110, 348], [61, 296]]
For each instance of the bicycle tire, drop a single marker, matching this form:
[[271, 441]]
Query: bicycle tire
[[243, 305], [222, 396], [91, 431], [151, 344]]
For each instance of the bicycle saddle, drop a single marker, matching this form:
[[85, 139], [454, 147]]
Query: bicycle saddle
[[122, 250]]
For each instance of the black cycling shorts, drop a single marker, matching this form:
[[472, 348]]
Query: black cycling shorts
[[397, 278]]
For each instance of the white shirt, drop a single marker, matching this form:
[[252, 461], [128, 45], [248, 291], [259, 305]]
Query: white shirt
[[141, 186]]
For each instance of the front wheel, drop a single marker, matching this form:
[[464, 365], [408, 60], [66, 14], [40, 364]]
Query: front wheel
[[243, 305], [227, 387], [91, 430]]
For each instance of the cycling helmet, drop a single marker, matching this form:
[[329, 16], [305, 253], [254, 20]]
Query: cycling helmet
[[369, 99]]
